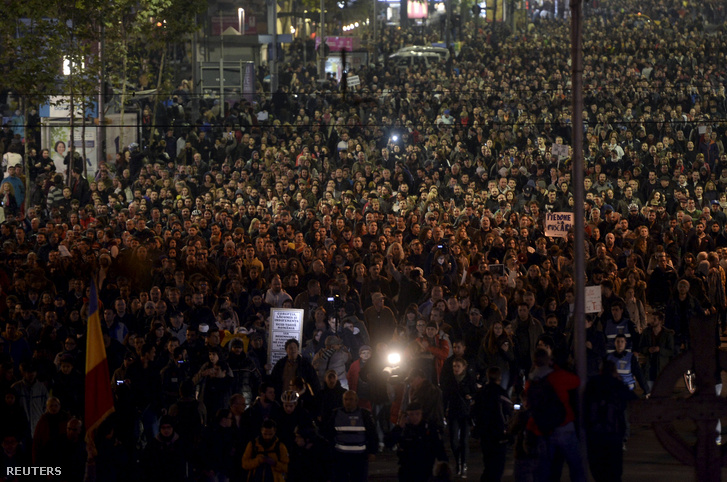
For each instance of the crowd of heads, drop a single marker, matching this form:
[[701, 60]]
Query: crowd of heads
[[423, 191]]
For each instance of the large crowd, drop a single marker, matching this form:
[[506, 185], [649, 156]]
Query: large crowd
[[404, 216]]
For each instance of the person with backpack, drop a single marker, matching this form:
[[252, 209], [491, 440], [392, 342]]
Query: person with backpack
[[491, 413], [605, 405], [552, 418], [266, 458]]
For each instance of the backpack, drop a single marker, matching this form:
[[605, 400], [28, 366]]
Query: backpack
[[605, 411], [605, 416], [546, 408]]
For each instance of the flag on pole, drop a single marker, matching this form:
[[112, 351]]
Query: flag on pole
[[99, 400]]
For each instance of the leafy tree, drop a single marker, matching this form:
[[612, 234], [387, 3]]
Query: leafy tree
[[138, 36], [32, 36]]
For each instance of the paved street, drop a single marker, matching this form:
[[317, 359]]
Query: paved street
[[644, 460]]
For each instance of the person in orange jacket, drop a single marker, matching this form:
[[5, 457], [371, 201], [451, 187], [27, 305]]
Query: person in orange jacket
[[266, 458]]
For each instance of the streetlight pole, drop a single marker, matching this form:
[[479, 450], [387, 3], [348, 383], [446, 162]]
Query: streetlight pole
[[322, 45], [579, 211], [101, 100], [222, 69], [273, 60], [448, 23], [376, 13]]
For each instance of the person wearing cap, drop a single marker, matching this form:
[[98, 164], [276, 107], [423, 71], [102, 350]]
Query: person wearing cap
[[380, 320], [419, 445], [429, 350], [359, 384], [164, 456], [351, 431], [472, 331], [334, 356]]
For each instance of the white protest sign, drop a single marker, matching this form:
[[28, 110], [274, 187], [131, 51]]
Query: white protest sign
[[559, 151], [593, 299], [557, 225], [354, 81], [285, 323]]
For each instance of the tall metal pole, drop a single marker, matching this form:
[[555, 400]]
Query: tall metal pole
[[448, 24], [376, 13], [273, 60], [321, 47], [580, 233], [101, 100], [222, 70], [195, 72]]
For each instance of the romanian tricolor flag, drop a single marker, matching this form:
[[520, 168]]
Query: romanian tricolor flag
[[99, 400]]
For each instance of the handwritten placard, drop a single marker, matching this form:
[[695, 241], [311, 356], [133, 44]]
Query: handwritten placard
[[557, 225], [593, 299]]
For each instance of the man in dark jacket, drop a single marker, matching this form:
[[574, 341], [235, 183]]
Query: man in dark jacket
[[79, 187], [293, 365], [527, 330], [595, 347], [491, 413], [420, 445], [428, 395], [605, 403], [163, 458]]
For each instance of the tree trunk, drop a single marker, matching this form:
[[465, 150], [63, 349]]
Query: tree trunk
[[26, 156], [71, 147], [152, 127], [83, 138], [124, 73]]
